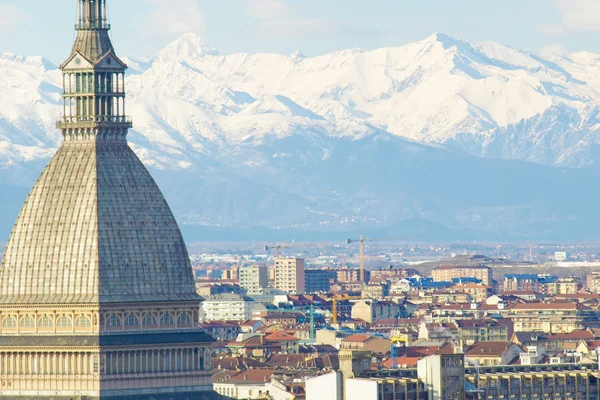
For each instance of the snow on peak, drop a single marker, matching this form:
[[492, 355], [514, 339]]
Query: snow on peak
[[188, 45], [298, 55], [35, 61]]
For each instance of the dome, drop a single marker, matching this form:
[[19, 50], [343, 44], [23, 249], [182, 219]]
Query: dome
[[95, 229]]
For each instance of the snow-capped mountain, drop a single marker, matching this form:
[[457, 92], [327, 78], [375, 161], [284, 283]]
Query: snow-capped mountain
[[349, 140]]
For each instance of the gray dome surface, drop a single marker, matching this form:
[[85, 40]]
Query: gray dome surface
[[95, 229]]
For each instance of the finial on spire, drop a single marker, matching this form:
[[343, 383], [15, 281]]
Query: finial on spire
[[92, 15]]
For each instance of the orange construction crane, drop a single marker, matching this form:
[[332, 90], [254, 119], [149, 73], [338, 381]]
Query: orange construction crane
[[334, 310], [278, 246]]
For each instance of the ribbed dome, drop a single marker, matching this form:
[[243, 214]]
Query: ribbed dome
[[95, 228]]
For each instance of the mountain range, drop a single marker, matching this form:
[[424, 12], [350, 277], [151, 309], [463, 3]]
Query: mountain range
[[441, 139]]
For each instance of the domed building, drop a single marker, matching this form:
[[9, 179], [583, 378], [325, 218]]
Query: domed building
[[97, 296]]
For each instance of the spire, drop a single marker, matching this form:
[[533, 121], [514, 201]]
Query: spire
[[92, 15], [93, 81]]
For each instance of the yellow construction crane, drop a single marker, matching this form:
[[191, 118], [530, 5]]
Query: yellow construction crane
[[278, 246], [334, 310]]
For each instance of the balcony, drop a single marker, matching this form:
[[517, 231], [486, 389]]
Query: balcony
[[94, 122], [85, 26]]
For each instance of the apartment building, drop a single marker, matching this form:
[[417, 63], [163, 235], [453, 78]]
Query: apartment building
[[447, 273], [372, 310], [254, 279], [227, 307], [318, 280], [289, 275], [551, 317]]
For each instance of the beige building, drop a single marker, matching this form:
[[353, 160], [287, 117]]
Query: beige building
[[565, 286], [254, 279], [97, 296], [493, 353], [289, 275], [551, 317], [372, 310], [374, 344], [447, 273]]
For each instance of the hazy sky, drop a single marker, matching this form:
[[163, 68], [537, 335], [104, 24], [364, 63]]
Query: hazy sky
[[141, 27]]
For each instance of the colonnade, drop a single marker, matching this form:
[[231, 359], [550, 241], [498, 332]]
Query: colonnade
[[110, 363]]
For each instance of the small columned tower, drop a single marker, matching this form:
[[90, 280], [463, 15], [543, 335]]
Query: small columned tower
[[93, 81]]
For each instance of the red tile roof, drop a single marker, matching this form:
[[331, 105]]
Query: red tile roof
[[357, 338]]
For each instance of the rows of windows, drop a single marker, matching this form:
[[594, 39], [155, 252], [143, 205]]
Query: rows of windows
[[113, 321], [150, 319], [45, 321]]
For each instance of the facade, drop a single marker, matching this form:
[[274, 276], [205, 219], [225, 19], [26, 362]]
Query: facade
[[448, 273], [346, 275], [521, 283], [97, 296], [376, 290], [471, 331], [551, 317], [254, 279], [227, 307], [493, 353], [564, 286], [375, 344], [593, 282], [289, 275], [372, 310], [317, 280]]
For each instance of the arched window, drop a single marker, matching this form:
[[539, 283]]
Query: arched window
[[83, 322], [9, 322], [27, 322], [184, 319], [149, 320], [45, 322], [64, 322], [131, 320], [166, 319], [114, 321]]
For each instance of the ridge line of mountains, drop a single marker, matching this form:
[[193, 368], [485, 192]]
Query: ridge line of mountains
[[441, 140]]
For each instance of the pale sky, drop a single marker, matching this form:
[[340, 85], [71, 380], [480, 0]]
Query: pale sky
[[142, 27]]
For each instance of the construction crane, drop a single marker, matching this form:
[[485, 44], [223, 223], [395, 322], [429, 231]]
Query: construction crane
[[399, 340], [278, 246], [361, 255], [334, 309], [361, 252]]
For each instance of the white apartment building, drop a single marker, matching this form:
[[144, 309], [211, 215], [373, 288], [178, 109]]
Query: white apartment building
[[227, 307], [289, 275], [254, 279]]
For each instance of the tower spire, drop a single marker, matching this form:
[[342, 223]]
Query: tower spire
[[93, 81], [92, 15]]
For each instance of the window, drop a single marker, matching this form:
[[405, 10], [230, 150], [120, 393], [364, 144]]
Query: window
[[131, 320], [27, 322], [9, 322], [166, 319], [184, 319], [149, 320], [96, 364], [45, 322], [83, 322], [114, 321], [64, 322]]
